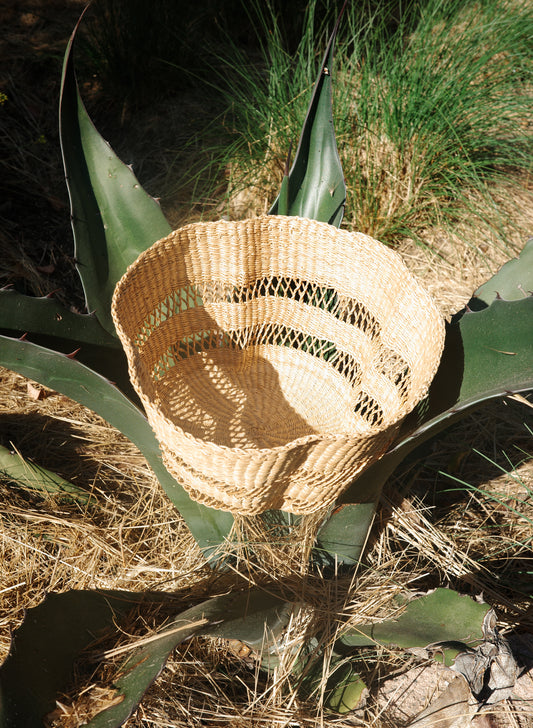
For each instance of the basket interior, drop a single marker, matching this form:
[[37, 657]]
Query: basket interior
[[252, 366], [260, 397]]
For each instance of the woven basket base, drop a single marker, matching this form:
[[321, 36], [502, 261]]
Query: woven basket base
[[300, 492], [263, 397]]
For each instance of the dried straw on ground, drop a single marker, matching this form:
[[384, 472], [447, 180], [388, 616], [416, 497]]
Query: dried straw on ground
[[132, 538]]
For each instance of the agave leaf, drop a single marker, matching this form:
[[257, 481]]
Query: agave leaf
[[343, 536], [487, 354], [344, 689], [315, 186], [48, 317], [54, 634], [440, 616], [250, 617], [29, 476], [512, 282], [255, 617], [44, 649], [113, 218], [68, 376], [47, 323]]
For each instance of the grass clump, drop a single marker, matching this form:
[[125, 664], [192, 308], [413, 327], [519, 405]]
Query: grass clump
[[431, 107]]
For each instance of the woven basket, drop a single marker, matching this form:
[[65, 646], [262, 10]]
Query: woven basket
[[275, 357]]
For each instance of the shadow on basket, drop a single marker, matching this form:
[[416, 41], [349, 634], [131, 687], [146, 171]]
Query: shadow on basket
[[275, 357]]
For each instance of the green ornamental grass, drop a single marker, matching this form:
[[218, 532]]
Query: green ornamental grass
[[431, 106]]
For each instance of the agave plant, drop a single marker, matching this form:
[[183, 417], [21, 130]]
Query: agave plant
[[488, 354]]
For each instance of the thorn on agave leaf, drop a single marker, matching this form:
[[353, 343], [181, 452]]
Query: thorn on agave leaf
[[468, 309], [7, 287], [498, 297], [52, 293], [23, 337], [72, 354]]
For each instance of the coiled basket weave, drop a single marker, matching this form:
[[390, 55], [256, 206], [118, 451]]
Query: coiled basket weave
[[275, 357]]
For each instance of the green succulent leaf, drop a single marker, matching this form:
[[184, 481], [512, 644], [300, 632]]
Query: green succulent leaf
[[498, 350], [43, 650], [440, 616], [68, 376], [27, 475], [46, 316], [487, 354], [252, 617], [342, 538], [56, 633], [315, 186], [113, 218], [344, 689], [143, 667], [47, 323], [512, 282]]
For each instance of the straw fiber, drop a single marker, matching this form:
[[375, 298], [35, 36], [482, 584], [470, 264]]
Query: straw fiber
[[275, 357]]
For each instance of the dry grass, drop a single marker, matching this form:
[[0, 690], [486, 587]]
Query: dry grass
[[451, 264], [132, 538], [112, 542]]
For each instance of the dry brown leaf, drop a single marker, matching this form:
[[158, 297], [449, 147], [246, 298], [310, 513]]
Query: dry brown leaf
[[491, 669], [35, 392], [450, 710]]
